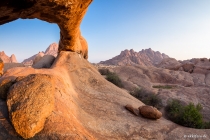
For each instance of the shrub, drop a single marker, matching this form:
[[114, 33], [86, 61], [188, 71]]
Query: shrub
[[163, 87], [185, 115], [114, 78], [147, 97], [104, 71]]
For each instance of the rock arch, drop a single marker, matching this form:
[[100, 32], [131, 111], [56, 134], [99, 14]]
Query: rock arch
[[67, 14]]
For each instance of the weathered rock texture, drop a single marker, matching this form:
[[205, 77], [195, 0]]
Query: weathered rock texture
[[150, 112], [146, 57], [196, 65], [67, 14], [7, 59], [1, 67], [87, 106], [184, 86], [132, 109], [30, 101]]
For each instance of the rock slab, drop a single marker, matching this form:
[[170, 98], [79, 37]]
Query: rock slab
[[30, 101]]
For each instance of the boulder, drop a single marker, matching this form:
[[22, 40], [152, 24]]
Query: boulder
[[150, 112], [169, 63], [188, 67], [1, 67], [45, 62], [30, 101], [132, 109]]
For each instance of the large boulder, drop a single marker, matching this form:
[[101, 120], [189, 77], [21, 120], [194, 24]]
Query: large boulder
[[30, 101], [1, 67], [169, 63], [68, 14], [150, 112], [188, 67]]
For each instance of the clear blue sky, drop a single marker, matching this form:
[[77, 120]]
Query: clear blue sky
[[179, 28]]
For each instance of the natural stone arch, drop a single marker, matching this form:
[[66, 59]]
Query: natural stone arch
[[67, 14]]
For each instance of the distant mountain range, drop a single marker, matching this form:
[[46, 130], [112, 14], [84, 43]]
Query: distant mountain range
[[7, 59], [146, 57]]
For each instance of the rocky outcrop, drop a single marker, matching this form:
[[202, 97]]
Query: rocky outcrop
[[169, 63], [30, 101], [1, 67], [89, 107], [146, 57], [45, 62], [66, 14], [200, 66], [7, 59]]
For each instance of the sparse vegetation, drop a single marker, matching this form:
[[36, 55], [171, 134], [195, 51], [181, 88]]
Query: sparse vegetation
[[104, 71], [114, 78], [147, 97], [111, 77], [186, 115], [163, 86]]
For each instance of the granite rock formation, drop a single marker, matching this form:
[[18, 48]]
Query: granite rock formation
[[196, 65], [7, 59], [170, 84], [87, 106], [146, 57], [66, 14], [30, 101]]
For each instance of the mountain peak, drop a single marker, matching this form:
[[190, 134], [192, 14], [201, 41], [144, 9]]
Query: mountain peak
[[7, 59], [145, 57]]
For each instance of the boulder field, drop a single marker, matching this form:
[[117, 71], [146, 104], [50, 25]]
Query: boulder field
[[85, 106]]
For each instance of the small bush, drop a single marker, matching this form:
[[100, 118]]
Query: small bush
[[147, 97], [163, 87], [185, 115], [104, 71], [114, 78]]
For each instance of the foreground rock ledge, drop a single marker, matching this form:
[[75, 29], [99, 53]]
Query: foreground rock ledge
[[89, 107], [67, 14], [30, 101]]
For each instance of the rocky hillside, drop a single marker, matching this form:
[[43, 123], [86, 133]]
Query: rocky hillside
[[73, 101], [7, 59], [146, 57], [195, 65], [51, 50]]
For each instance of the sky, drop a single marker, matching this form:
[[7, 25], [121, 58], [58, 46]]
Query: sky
[[178, 28]]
